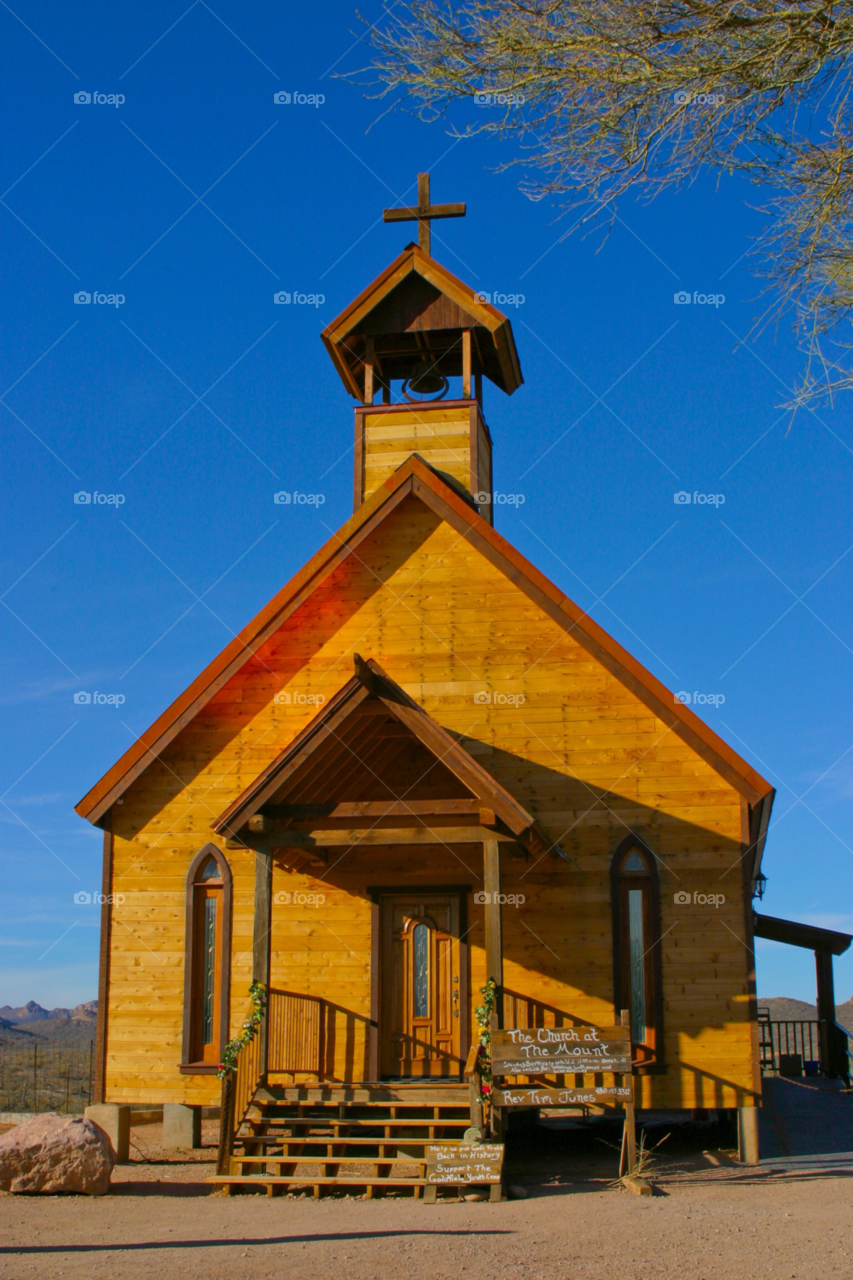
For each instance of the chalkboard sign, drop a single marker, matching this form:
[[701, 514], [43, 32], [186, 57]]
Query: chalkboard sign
[[524, 1095], [532, 1051], [464, 1164]]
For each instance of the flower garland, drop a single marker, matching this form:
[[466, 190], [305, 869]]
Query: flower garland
[[258, 996], [483, 1014]]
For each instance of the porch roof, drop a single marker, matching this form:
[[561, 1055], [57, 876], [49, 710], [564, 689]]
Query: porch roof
[[373, 747], [797, 934]]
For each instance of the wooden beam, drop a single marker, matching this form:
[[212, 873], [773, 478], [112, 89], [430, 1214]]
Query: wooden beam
[[261, 929], [369, 809], [466, 364], [100, 1081], [367, 836], [629, 1132], [494, 933], [369, 357]]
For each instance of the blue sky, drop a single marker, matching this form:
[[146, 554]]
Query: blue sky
[[196, 398]]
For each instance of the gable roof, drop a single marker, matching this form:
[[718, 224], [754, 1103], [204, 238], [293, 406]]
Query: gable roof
[[415, 478], [415, 304], [318, 764]]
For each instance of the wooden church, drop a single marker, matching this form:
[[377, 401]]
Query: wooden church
[[421, 767]]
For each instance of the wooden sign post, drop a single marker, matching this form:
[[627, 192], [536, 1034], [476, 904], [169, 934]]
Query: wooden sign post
[[629, 1129], [569, 1051], [464, 1164]]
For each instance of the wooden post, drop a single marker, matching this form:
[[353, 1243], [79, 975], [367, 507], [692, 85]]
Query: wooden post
[[629, 1135], [261, 942], [494, 938], [369, 356], [747, 1135], [424, 237], [466, 364], [826, 1011]]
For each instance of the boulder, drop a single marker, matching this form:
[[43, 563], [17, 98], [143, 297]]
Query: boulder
[[53, 1153]]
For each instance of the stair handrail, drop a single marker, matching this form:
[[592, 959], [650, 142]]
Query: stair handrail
[[240, 1073]]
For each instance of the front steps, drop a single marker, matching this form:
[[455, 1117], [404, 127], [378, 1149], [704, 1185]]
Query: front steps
[[367, 1138]]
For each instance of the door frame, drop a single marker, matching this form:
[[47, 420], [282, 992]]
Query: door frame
[[376, 894]]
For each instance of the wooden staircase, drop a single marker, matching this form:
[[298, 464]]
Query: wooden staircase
[[353, 1137]]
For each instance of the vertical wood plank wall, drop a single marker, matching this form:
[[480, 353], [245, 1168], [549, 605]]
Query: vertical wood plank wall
[[577, 748]]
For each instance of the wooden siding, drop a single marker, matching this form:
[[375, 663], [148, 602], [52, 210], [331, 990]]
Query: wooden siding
[[578, 749], [441, 436]]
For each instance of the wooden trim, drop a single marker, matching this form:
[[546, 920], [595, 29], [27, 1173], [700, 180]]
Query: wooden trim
[[749, 942], [358, 457], [198, 1068], [494, 926], [375, 892], [633, 841], [262, 944], [473, 449], [414, 476], [207, 851], [375, 990], [99, 1089]]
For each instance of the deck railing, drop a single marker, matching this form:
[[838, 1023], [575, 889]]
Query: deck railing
[[238, 1089], [296, 1036]]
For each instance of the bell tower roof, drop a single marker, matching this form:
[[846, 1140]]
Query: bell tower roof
[[417, 309]]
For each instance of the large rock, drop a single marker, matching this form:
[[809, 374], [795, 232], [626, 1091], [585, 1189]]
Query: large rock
[[52, 1153]]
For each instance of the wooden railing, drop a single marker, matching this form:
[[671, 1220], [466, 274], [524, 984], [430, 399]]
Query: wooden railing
[[296, 1037], [789, 1037], [238, 1089]]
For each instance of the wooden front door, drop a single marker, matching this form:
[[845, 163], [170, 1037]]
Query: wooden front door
[[421, 986]]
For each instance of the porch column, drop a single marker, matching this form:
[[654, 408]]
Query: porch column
[[261, 939], [494, 932], [826, 1011]]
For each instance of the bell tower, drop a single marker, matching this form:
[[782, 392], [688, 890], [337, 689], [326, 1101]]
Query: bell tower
[[406, 338]]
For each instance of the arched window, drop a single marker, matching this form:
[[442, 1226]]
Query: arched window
[[207, 962], [636, 946]]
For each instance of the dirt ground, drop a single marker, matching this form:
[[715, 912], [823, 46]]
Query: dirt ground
[[710, 1219]]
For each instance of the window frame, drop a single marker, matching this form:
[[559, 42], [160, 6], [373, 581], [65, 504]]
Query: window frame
[[645, 1057], [189, 1065]]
